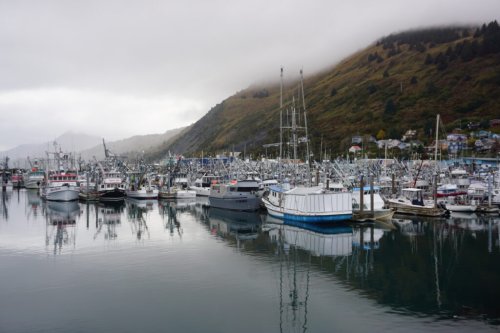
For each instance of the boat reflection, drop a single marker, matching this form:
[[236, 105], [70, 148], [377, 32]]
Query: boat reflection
[[183, 204], [61, 220], [298, 248], [320, 240], [137, 213], [242, 226], [108, 217], [33, 203], [367, 237], [168, 212]]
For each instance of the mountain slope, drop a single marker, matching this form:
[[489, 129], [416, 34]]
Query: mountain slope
[[399, 83], [132, 146]]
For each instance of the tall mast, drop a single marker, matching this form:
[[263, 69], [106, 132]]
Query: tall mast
[[436, 148], [305, 117], [281, 114]]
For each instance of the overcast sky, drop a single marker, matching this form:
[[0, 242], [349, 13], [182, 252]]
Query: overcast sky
[[120, 68]]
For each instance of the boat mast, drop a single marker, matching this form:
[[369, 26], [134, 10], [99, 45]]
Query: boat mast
[[305, 117], [281, 114], [436, 148]]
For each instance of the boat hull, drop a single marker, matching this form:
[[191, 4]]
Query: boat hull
[[112, 195], [185, 194], [383, 215], [237, 203], [142, 194], [309, 205], [461, 208], [63, 193], [33, 184], [409, 209], [201, 191]]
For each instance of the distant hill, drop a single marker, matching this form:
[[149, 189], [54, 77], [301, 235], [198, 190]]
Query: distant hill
[[132, 146], [88, 146], [400, 82], [69, 141]]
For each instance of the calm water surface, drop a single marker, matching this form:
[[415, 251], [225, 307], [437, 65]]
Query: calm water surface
[[159, 266]]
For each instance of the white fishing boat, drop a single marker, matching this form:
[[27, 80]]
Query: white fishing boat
[[33, 178], [308, 204], [460, 204], [478, 190], [176, 188], [141, 187], [202, 185], [143, 192], [61, 186], [411, 202]]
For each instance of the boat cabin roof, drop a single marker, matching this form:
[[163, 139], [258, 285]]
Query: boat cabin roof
[[412, 189], [367, 188]]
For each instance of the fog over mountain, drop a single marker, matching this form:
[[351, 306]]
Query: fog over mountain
[[123, 68]]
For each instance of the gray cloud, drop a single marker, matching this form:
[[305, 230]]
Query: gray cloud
[[69, 65]]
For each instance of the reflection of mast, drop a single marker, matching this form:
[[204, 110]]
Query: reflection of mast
[[436, 271], [288, 252], [169, 215], [5, 211]]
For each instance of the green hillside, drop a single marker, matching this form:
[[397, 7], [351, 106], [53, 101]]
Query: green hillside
[[401, 82]]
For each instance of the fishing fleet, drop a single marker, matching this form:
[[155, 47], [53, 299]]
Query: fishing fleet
[[290, 187]]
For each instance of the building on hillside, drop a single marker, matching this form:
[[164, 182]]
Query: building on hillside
[[409, 135], [456, 137], [356, 139], [494, 122], [354, 149]]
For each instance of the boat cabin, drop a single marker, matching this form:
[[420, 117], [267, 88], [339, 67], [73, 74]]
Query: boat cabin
[[414, 195]]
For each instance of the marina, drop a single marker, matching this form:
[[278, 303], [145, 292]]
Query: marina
[[363, 197], [155, 265]]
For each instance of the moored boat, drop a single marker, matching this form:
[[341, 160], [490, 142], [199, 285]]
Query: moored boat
[[202, 185], [411, 202], [379, 213], [33, 178], [111, 187], [308, 204], [236, 195], [61, 186]]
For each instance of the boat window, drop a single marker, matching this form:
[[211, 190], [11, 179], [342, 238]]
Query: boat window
[[247, 189]]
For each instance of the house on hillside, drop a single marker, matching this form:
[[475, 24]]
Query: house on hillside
[[356, 139], [456, 137], [354, 149], [409, 135], [494, 122]]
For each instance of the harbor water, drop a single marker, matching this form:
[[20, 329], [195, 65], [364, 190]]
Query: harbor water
[[179, 266]]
